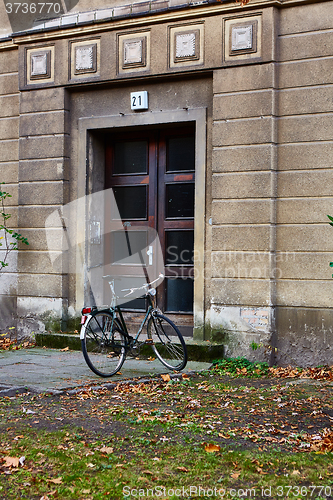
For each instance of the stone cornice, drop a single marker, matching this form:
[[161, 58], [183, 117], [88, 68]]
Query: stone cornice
[[137, 14]]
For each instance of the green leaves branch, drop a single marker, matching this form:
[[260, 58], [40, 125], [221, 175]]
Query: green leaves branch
[[10, 237]]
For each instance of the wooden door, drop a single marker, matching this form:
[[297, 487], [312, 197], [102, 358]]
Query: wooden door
[[152, 174]]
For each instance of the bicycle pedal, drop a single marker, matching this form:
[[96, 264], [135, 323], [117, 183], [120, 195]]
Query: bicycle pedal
[[149, 342]]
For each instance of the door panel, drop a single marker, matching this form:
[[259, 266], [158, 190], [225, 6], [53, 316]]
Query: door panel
[[152, 175]]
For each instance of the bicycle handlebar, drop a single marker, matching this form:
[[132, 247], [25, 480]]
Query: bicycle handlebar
[[143, 287]]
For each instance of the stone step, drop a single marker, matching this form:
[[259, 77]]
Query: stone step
[[197, 350]]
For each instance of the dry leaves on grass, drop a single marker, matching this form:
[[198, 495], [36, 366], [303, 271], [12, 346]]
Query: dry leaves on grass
[[7, 344], [106, 449], [11, 461], [182, 469], [322, 443], [212, 448], [58, 480], [320, 373]]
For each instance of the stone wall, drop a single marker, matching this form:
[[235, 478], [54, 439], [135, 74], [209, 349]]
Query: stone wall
[[43, 178], [9, 133], [268, 184], [272, 189], [305, 184]]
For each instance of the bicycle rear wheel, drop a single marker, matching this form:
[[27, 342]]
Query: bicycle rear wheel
[[169, 345], [104, 350]]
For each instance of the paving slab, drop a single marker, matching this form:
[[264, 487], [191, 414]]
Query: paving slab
[[52, 370]]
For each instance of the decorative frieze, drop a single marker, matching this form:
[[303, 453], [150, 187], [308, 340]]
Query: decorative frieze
[[133, 52], [242, 38], [39, 65], [186, 45], [84, 58]]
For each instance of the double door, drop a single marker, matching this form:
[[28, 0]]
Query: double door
[[152, 175]]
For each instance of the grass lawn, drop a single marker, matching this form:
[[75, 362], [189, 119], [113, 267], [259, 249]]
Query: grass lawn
[[211, 435]]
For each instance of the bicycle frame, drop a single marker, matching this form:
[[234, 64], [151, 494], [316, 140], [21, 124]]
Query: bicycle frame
[[116, 313], [105, 337]]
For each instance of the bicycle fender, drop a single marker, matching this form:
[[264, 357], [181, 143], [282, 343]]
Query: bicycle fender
[[83, 327]]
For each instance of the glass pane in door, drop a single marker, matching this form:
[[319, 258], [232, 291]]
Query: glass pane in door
[[131, 157], [129, 245], [180, 154], [179, 295], [179, 247], [180, 200], [131, 201]]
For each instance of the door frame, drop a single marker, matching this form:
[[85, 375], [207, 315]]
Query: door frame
[[86, 158]]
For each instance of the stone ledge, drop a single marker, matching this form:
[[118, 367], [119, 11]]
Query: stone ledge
[[197, 351], [123, 11]]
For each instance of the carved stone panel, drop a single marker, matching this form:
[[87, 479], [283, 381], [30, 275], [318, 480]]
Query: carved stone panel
[[186, 45], [133, 52], [39, 65], [86, 58], [242, 38]]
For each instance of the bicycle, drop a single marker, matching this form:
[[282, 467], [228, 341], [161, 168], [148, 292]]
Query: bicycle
[[105, 340]]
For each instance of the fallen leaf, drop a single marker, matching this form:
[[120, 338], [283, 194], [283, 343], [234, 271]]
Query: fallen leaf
[[12, 461], [295, 473], [182, 469], [91, 465], [235, 475], [211, 448], [65, 349], [86, 492], [147, 472], [106, 449], [185, 375], [165, 377], [58, 480]]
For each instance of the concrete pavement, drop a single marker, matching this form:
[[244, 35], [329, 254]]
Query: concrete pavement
[[52, 370]]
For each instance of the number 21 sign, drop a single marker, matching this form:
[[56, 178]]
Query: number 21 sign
[[139, 100]]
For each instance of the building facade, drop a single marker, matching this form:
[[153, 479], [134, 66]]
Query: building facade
[[239, 133]]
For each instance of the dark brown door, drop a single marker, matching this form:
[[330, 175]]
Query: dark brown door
[[152, 174]]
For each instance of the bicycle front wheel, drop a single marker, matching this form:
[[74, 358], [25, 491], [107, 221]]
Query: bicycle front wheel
[[169, 345], [103, 345]]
